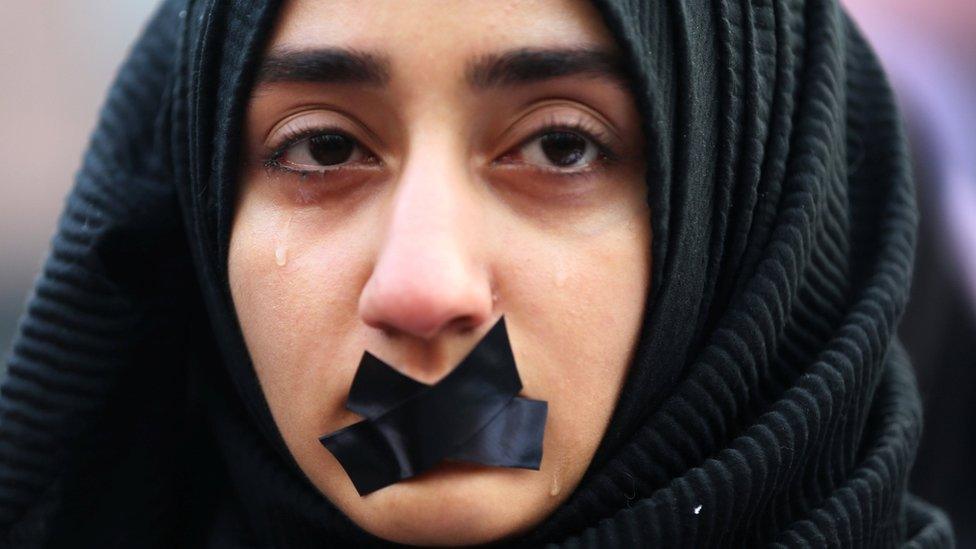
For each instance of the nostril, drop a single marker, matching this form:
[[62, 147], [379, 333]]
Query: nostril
[[423, 314], [388, 329], [463, 324]]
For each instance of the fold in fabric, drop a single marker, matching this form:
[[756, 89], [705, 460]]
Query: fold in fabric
[[472, 415]]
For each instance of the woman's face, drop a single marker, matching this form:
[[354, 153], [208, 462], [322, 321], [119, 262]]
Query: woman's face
[[412, 172]]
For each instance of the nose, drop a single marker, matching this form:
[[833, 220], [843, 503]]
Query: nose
[[429, 278]]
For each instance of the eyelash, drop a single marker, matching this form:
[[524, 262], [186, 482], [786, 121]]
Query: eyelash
[[579, 126], [294, 137]]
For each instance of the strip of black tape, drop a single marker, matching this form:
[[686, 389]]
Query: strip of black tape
[[471, 415], [512, 439]]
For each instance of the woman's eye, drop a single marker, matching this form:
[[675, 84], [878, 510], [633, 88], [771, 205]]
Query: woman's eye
[[561, 150], [322, 150]]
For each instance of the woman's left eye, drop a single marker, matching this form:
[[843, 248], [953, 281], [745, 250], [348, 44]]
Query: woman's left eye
[[560, 150], [321, 151]]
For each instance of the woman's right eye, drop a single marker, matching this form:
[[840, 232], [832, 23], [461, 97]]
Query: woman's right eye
[[321, 151]]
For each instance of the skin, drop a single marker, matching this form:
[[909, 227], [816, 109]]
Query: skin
[[412, 250]]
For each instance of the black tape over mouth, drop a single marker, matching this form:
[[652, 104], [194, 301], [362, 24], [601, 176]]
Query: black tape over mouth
[[472, 415]]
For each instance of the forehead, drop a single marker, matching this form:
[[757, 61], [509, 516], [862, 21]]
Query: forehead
[[439, 30]]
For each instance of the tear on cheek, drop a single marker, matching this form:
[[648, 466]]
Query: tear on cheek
[[281, 242]]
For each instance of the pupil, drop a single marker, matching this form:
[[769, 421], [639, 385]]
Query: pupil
[[330, 149], [563, 148]]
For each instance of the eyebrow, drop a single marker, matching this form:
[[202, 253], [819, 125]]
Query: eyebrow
[[325, 65], [526, 66], [511, 68]]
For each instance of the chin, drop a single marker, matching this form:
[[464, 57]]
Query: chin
[[454, 504]]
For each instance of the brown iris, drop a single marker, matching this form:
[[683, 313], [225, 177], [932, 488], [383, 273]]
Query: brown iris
[[331, 148], [563, 148]]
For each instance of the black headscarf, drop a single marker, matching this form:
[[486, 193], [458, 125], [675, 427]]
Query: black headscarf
[[768, 401]]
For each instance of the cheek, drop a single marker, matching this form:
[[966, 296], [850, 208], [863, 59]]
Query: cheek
[[299, 319], [581, 302]]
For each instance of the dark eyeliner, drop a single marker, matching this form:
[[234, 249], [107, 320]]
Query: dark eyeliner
[[272, 159], [605, 150], [599, 139]]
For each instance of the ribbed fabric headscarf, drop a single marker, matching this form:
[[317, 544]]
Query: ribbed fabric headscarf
[[768, 402]]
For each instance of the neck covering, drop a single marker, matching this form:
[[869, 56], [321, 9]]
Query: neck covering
[[768, 401]]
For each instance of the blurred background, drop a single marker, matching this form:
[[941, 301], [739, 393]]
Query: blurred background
[[57, 58]]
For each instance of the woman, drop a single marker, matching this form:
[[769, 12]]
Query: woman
[[696, 221]]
